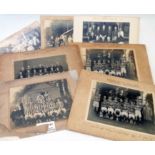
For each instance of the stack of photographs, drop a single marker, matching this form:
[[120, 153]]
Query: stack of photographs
[[62, 30], [115, 92], [56, 31], [43, 64], [38, 89]]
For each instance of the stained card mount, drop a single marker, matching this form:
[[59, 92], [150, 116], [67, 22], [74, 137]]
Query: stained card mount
[[29, 106], [128, 61], [39, 63], [105, 29], [113, 107]]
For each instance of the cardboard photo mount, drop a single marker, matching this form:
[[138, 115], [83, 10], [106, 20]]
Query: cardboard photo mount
[[133, 21], [7, 60], [49, 19], [5, 105], [78, 117], [143, 70]]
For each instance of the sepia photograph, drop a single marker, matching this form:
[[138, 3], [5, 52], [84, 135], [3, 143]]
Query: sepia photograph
[[113, 108], [106, 32], [115, 62], [106, 29], [56, 31], [41, 66], [38, 103], [121, 60], [123, 107], [30, 106], [27, 39], [43, 62]]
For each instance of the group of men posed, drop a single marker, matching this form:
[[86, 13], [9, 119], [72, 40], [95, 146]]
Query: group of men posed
[[101, 32], [39, 70], [105, 63], [42, 109], [56, 41], [26, 42], [30, 41], [119, 107]]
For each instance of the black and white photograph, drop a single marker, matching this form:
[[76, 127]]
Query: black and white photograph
[[38, 103], [114, 62], [28, 39], [122, 107], [58, 33], [106, 32], [106, 29], [40, 66]]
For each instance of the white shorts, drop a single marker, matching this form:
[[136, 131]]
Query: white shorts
[[111, 110], [124, 113], [112, 73], [63, 110], [138, 113], [100, 71], [96, 104], [123, 70], [131, 115], [104, 109], [95, 71], [118, 73], [88, 68]]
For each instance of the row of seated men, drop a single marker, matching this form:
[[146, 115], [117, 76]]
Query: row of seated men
[[34, 113], [120, 110], [39, 70], [105, 33]]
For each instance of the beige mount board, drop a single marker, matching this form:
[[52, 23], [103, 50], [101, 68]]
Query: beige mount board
[[10, 96], [84, 119], [67, 55], [137, 68]]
